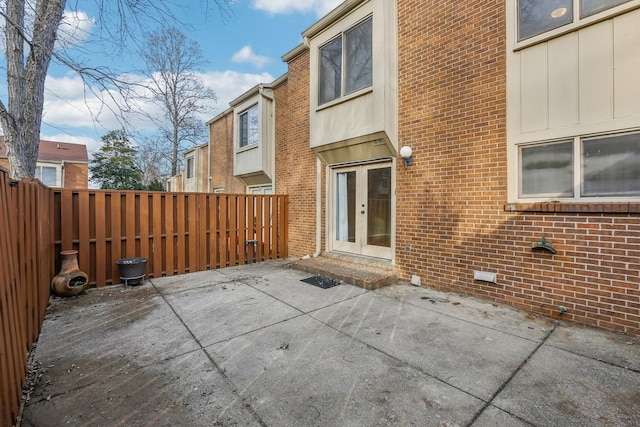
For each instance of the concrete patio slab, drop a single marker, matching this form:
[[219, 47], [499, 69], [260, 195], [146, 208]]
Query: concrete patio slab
[[616, 349], [185, 390], [494, 417], [472, 310], [557, 387], [107, 331], [484, 357], [287, 286], [200, 279], [223, 311], [302, 372], [254, 345]]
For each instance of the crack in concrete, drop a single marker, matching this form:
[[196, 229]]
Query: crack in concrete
[[488, 403], [234, 389]]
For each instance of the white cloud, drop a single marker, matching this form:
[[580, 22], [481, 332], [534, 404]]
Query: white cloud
[[69, 106], [75, 28], [320, 7], [229, 85], [68, 103], [246, 54]]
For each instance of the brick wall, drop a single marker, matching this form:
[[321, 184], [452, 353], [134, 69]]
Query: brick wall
[[221, 140], [295, 161], [76, 175], [281, 97], [451, 217]]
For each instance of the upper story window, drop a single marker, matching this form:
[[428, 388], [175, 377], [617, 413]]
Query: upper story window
[[190, 166], [48, 175], [607, 166], [254, 135], [536, 17], [249, 132], [346, 63]]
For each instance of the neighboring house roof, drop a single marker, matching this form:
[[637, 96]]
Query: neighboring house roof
[[54, 151]]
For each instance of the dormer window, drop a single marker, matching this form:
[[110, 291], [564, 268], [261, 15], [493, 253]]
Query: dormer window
[[249, 131], [353, 48]]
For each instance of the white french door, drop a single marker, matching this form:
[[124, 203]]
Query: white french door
[[362, 210]]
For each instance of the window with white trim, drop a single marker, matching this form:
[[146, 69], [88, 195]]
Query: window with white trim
[[263, 189], [48, 175], [190, 167], [346, 63], [249, 132], [536, 17], [602, 166]]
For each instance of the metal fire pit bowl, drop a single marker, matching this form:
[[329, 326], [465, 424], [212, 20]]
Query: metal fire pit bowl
[[132, 270]]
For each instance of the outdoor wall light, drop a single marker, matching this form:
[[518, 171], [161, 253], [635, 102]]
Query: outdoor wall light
[[406, 153]]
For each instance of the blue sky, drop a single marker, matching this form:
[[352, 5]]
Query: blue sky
[[242, 50]]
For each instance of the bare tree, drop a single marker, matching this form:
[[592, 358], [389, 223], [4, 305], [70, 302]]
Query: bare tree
[[30, 45], [172, 64], [152, 161], [21, 117]]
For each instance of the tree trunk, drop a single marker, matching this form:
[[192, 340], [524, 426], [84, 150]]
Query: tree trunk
[[22, 116]]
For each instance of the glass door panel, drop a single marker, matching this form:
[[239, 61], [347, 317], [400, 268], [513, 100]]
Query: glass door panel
[[379, 207], [362, 214], [346, 206]]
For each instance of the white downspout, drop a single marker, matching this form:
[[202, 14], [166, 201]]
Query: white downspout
[[318, 207]]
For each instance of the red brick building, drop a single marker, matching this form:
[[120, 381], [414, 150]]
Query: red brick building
[[60, 164], [523, 123]]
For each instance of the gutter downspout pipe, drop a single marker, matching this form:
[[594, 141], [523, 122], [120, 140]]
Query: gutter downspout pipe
[[318, 207]]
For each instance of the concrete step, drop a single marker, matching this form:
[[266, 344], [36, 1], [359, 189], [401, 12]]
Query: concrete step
[[363, 272]]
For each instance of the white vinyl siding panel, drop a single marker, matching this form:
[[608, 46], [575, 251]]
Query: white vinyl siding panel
[[595, 73], [563, 85], [626, 34], [581, 82], [347, 120], [534, 100]]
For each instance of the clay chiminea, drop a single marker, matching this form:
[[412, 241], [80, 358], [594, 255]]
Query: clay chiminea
[[70, 281]]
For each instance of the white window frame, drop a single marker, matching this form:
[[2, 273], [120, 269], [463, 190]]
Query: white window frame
[[190, 159], [578, 170], [260, 189], [56, 166], [517, 137], [577, 23], [247, 111], [343, 92]]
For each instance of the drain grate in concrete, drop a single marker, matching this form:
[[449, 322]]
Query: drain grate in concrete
[[321, 282]]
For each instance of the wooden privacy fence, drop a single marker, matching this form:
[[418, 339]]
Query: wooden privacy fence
[[177, 232], [26, 269]]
